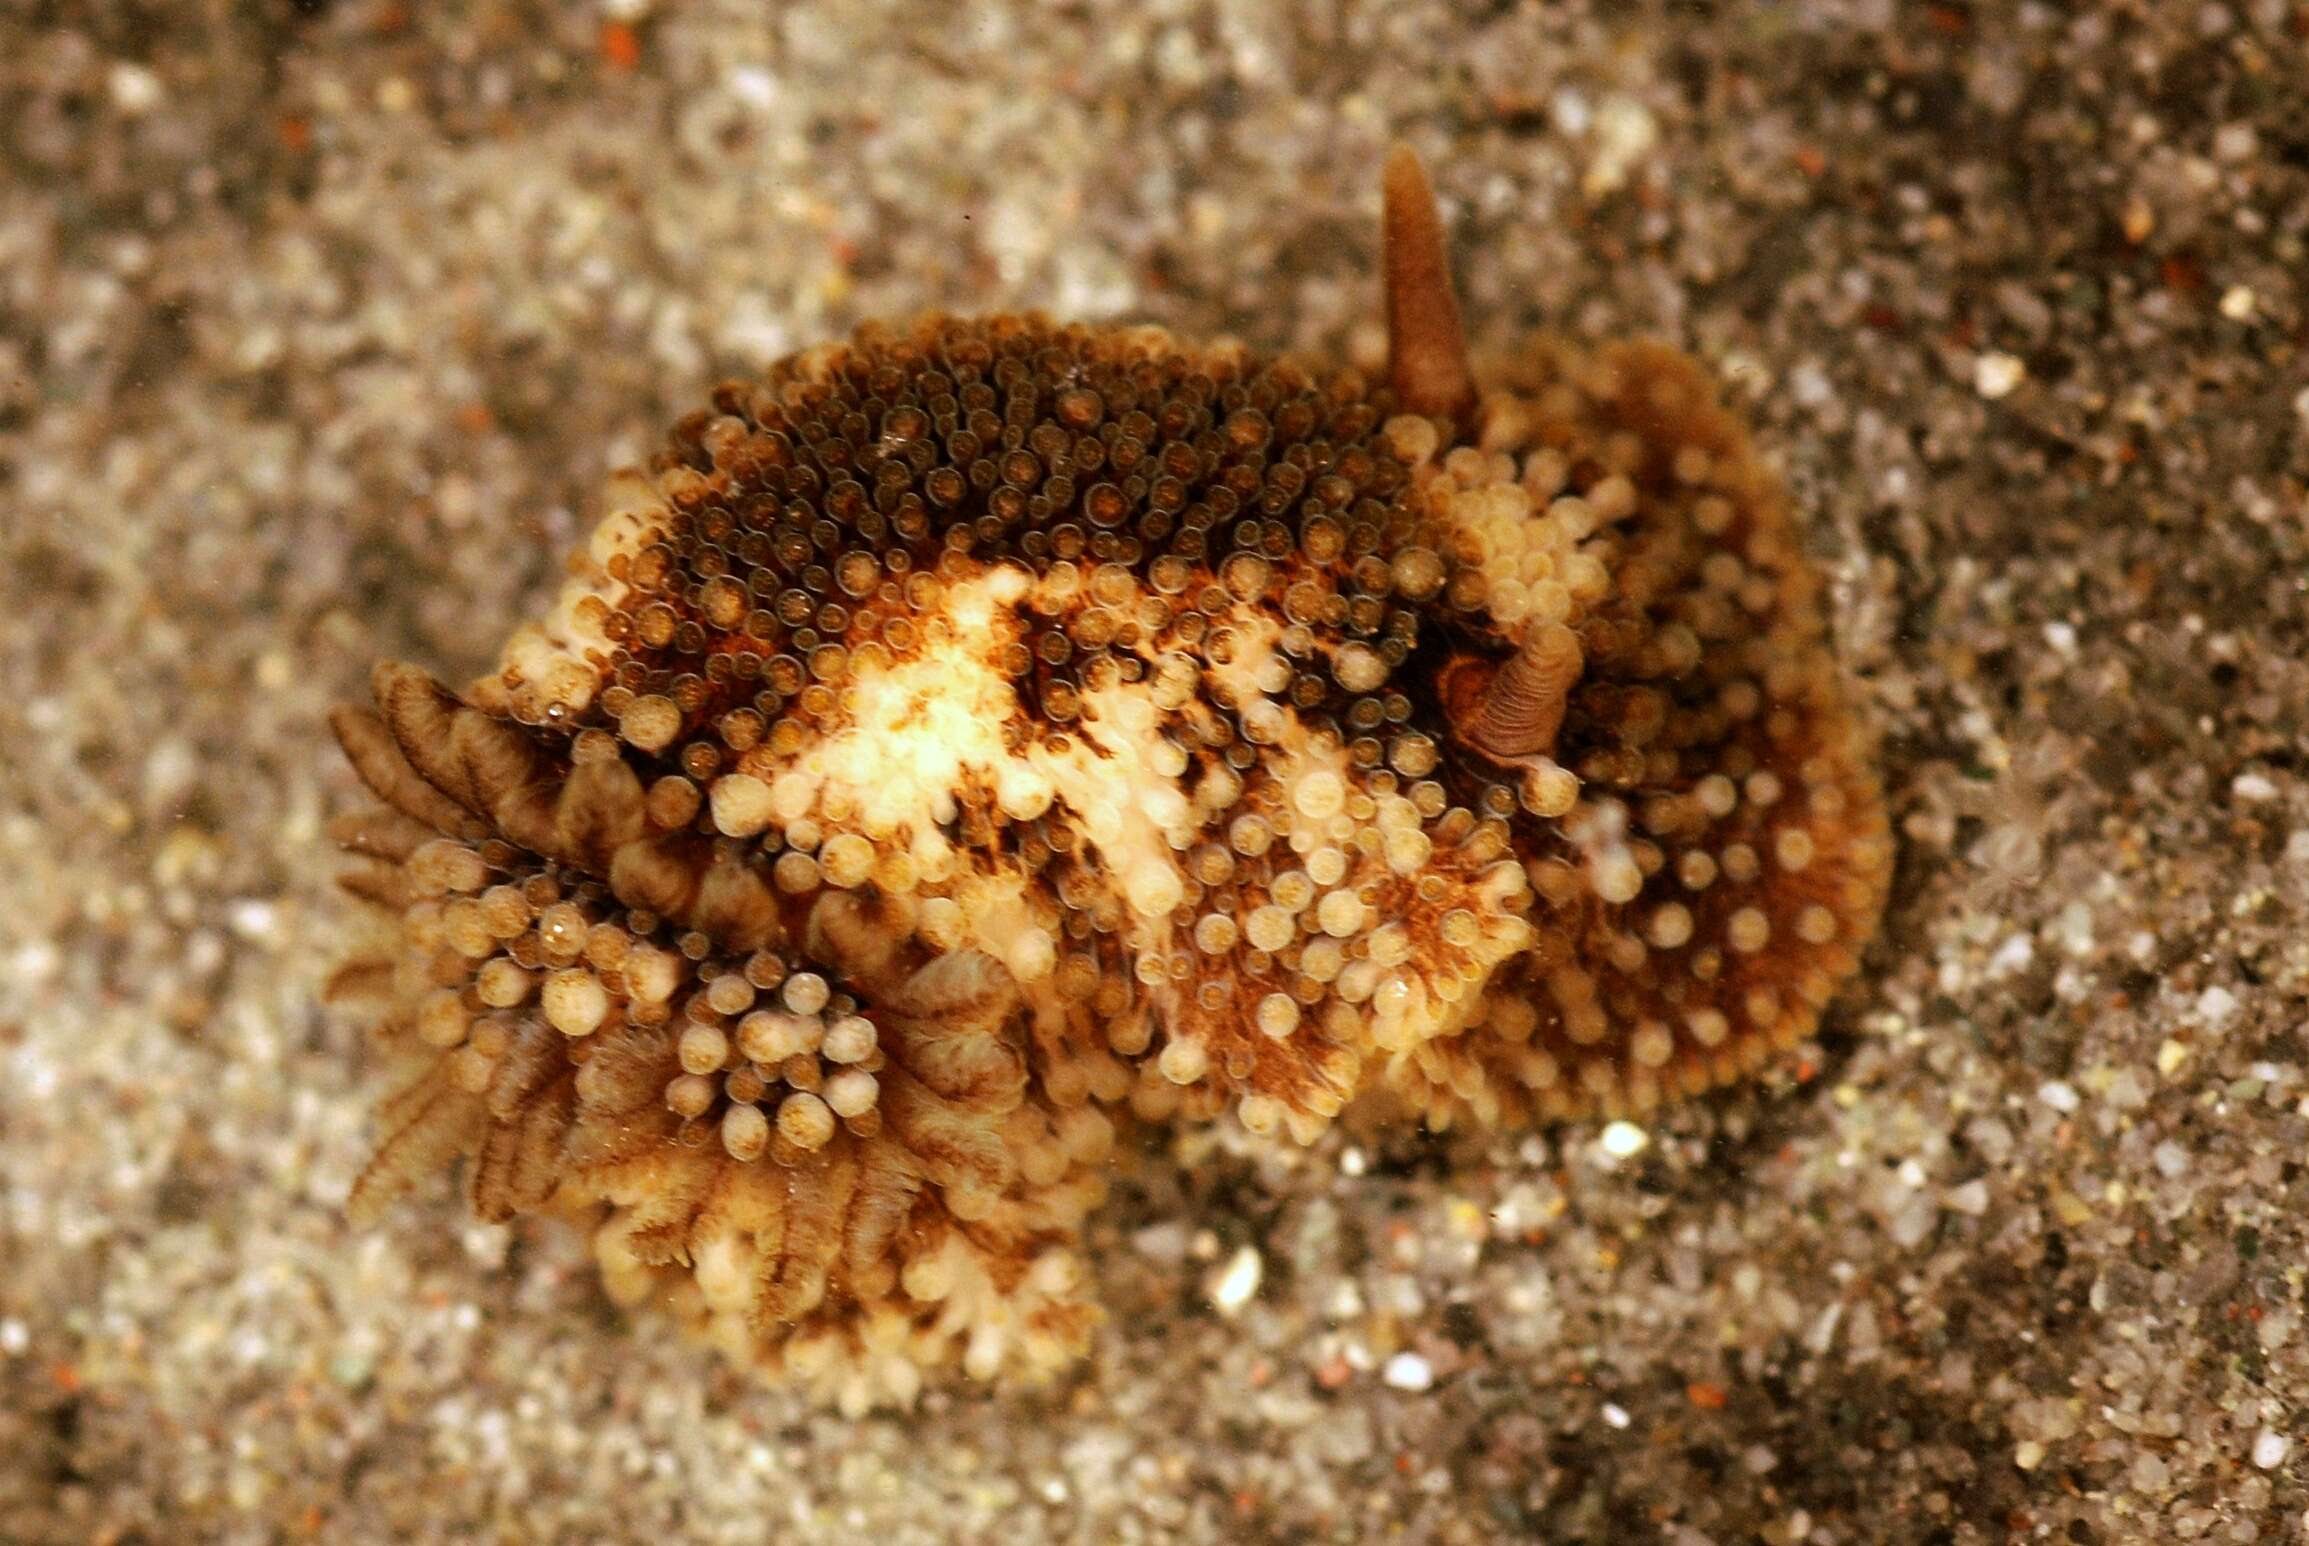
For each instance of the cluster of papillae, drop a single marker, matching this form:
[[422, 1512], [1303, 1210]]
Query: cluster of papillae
[[972, 738]]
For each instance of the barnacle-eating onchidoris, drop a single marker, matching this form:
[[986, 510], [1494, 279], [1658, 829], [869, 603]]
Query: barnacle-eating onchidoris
[[979, 732]]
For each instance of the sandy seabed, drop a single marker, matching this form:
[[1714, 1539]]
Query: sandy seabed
[[321, 322]]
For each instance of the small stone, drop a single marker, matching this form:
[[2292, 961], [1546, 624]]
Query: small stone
[[2253, 787], [1570, 110], [1164, 1243], [1624, 1140], [2236, 142], [1970, 1199], [2270, 1449], [1912, 1225], [2058, 1094], [136, 91], [1625, 133], [1408, 1371], [1995, 375], [1236, 1282]]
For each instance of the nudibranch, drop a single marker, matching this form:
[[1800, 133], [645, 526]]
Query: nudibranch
[[980, 735]]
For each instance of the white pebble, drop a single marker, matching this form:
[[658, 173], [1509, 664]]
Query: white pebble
[[1408, 1371], [1625, 133], [1970, 1199], [1995, 375], [1623, 1140], [2253, 787], [2270, 1448], [1912, 1225], [135, 89], [1165, 1242], [1237, 1281]]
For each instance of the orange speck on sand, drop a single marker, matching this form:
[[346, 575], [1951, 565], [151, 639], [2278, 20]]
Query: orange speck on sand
[[476, 419], [2183, 273], [1707, 1395], [1811, 160], [620, 45], [296, 133], [65, 1377]]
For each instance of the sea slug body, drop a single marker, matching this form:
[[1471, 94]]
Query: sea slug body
[[982, 735]]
